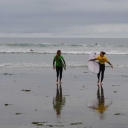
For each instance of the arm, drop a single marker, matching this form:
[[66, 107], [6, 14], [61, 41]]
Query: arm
[[110, 64], [64, 62], [92, 59], [53, 64]]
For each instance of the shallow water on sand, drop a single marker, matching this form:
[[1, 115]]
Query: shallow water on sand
[[30, 98]]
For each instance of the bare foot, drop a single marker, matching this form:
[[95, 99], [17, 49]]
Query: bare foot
[[98, 81], [57, 81], [60, 82], [98, 85]]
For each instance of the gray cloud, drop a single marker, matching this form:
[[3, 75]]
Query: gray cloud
[[63, 18]]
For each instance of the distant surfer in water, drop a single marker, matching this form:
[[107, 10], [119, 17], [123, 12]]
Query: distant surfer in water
[[102, 59], [59, 68]]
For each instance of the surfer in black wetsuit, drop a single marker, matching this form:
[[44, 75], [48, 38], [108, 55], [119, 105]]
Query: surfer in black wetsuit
[[59, 67], [102, 59]]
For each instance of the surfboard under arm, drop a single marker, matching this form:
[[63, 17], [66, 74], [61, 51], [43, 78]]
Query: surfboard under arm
[[93, 66], [63, 64]]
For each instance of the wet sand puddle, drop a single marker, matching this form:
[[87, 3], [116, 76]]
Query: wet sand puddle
[[46, 124], [7, 74], [25, 90]]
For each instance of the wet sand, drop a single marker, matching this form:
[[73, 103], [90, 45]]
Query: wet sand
[[30, 98]]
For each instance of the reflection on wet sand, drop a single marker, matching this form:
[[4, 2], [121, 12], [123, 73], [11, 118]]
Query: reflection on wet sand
[[99, 105], [58, 101], [101, 101]]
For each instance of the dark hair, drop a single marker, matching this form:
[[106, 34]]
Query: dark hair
[[57, 54], [103, 52]]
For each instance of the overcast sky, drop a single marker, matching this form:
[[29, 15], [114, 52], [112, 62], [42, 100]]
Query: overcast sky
[[64, 18]]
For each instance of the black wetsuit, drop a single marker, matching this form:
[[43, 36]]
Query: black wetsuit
[[102, 69], [59, 69]]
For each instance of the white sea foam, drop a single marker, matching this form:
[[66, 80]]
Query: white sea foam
[[48, 65], [30, 53], [73, 49]]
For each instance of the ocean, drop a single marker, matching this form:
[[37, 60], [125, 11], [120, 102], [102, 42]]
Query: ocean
[[39, 52]]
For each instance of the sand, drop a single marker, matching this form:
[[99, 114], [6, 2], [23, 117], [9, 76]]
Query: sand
[[30, 98]]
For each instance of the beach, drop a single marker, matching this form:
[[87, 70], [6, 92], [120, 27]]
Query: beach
[[31, 98], [27, 99]]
